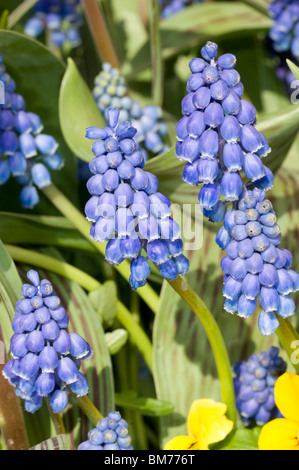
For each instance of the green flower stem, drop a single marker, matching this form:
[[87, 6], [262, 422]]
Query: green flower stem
[[72, 273], [19, 12], [287, 336], [56, 420], [4, 19], [88, 409], [156, 52], [216, 340], [12, 420], [100, 33], [83, 226]]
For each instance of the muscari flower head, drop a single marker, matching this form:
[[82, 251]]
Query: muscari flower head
[[46, 359], [111, 433], [60, 19], [283, 38], [111, 91], [126, 209], [254, 386], [285, 30], [171, 7], [217, 137], [283, 433], [27, 154], [207, 424], [257, 271]]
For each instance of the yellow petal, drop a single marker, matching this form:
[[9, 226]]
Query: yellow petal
[[287, 395], [180, 443], [279, 434], [207, 422]]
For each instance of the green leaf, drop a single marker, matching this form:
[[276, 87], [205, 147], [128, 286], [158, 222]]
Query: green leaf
[[145, 406], [22, 229], [199, 23], [9, 277], [10, 288], [77, 112], [104, 300], [19, 12], [60, 442], [116, 339], [38, 74], [294, 68], [241, 439]]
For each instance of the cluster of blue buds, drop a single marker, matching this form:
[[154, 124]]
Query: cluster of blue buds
[[285, 31], [25, 152], [171, 7], [126, 209], [254, 386], [217, 137], [60, 19], [45, 358], [283, 39], [255, 267], [110, 91], [111, 433]]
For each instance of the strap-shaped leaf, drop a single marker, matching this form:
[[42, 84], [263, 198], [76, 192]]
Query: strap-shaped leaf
[[60, 442], [77, 111]]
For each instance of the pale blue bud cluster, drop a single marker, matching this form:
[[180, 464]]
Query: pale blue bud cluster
[[59, 19], [111, 433]]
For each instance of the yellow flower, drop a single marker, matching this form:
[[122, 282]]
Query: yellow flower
[[283, 433], [207, 424]]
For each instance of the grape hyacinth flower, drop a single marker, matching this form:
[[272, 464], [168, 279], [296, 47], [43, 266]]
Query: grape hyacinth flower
[[255, 267], [285, 31], [254, 386], [126, 209], [28, 155], [283, 38], [46, 359], [171, 7], [111, 91], [217, 138], [110, 433], [59, 19]]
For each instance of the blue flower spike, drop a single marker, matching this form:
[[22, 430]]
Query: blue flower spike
[[60, 19], [257, 270], [254, 383], [111, 433], [46, 359], [28, 155], [126, 209], [217, 138], [283, 39]]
